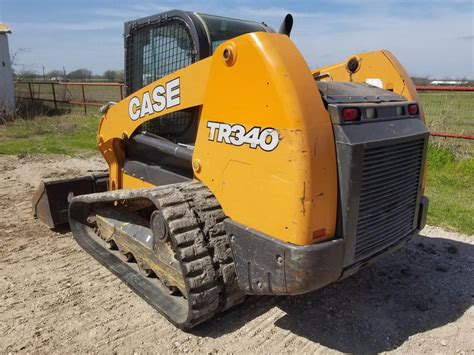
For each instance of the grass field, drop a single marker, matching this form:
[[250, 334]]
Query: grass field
[[451, 191], [68, 134], [450, 161], [450, 112]]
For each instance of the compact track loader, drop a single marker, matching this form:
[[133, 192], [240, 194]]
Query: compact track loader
[[234, 169]]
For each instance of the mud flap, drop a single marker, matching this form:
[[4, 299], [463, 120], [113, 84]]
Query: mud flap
[[51, 199]]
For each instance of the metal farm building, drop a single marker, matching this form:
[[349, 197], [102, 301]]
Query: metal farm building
[[7, 94]]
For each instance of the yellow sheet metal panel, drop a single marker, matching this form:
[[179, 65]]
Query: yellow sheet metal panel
[[131, 182], [381, 65], [265, 145]]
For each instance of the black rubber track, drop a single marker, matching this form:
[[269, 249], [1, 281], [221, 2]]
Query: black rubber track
[[211, 218], [195, 222]]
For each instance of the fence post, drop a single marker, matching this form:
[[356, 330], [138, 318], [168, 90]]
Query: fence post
[[121, 91], [31, 91], [84, 99], [54, 97]]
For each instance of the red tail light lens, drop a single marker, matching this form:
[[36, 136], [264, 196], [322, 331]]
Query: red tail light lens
[[413, 109], [350, 114]]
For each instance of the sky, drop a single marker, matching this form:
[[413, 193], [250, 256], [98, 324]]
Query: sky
[[431, 38]]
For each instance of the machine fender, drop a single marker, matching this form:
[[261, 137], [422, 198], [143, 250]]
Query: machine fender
[[268, 266]]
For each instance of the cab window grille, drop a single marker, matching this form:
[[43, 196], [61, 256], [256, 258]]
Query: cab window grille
[[156, 50], [216, 44]]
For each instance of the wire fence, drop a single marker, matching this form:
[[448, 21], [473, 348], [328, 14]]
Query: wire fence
[[448, 109], [61, 94]]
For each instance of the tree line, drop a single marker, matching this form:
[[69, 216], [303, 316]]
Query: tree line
[[84, 74], [81, 74]]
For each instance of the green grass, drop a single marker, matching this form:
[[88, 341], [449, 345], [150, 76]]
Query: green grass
[[69, 134], [451, 190], [449, 111]]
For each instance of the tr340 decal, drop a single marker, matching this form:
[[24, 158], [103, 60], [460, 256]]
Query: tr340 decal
[[266, 139]]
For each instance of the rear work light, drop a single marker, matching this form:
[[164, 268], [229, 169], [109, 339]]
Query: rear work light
[[350, 114], [413, 109], [371, 112], [400, 111]]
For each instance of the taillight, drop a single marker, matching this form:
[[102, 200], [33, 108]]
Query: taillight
[[350, 114], [413, 109]]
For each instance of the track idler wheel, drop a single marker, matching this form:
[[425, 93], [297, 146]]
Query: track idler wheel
[[159, 226]]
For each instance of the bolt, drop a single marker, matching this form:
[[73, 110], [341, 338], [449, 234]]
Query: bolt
[[226, 53], [196, 166], [229, 55], [279, 259]]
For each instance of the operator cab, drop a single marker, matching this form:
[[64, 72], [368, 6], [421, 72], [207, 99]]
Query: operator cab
[[159, 45]]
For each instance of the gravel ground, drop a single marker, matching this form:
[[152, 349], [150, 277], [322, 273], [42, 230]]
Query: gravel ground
[[54, 298]]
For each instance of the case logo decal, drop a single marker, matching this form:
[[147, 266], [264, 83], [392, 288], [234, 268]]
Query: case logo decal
[[160, 98], [266, 139]]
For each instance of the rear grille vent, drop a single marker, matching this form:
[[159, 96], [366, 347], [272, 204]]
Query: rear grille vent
[[389, 190]]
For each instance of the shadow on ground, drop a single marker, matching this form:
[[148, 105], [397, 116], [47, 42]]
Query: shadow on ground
[[424, 286]]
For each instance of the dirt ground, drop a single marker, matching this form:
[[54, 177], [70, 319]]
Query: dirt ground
[[55, 298]]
